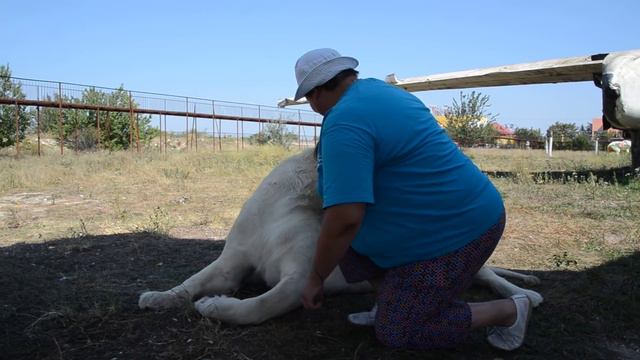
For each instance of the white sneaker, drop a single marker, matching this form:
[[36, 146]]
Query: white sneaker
[[366, 318], [511, 337]]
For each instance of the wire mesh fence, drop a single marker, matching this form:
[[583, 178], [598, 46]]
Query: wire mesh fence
[[197, 120]]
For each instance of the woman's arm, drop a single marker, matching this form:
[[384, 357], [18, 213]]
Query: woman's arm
[[340, 225]]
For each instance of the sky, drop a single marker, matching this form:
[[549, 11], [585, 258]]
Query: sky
[[245, 51]]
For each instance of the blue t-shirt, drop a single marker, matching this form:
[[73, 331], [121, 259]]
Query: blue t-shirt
[[380, 145]]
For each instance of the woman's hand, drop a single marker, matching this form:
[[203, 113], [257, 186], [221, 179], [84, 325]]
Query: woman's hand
[[313, 293]]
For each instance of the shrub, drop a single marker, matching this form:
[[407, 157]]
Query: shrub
[[582, 142], [9, 89], [275, 133]]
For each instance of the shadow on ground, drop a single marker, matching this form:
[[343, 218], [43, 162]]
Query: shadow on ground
[[77, 299]]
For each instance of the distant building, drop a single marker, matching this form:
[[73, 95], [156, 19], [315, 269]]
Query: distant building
[[502, 129], [505, 136], [597, 127], [439, 113]]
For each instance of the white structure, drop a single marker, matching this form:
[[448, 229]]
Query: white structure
[[621, 90], [548, 143], [617, 73]]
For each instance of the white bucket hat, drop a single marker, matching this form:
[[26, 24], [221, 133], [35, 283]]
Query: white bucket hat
[[316, 67]]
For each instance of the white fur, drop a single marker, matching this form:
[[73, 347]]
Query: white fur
[[274, 239], [619, 146]]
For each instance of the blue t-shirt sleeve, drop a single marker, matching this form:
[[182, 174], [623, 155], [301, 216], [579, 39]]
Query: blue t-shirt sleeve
[[347, 165]]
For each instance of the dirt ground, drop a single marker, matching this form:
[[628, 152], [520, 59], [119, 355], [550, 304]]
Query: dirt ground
[[76, 298], [81, 237]]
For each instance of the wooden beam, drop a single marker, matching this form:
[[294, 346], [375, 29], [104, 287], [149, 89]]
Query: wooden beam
[[573, 69], [542, 72], [289, 101]]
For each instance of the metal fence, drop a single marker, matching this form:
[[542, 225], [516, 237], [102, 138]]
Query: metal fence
[[222, 119]]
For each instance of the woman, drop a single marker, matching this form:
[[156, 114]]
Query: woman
[[404, 209]]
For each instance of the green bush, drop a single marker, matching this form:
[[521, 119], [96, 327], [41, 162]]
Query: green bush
[[582, 142], [115, 129], [9, 89], [275, 133]]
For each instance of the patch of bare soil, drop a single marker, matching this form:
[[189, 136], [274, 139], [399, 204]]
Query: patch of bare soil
[[76, 298], [25, 209]]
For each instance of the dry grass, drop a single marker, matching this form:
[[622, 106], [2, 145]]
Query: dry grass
[[105, 193], [180, 194], [537, 161], [82, 235]]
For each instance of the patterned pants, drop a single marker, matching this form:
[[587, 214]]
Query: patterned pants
[[418, 304]]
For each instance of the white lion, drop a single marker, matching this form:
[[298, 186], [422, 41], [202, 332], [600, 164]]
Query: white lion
[[619, 146], [274, 239]]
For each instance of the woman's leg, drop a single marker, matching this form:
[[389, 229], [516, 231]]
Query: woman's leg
[[493, 313], [418, 306]]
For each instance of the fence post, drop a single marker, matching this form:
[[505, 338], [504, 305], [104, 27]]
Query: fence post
[[186, 119], [131, 129], [195, 125], [98, 125], [220, 134], [38, 121], [165, 128], [17, 128], [259, 123], [160, 139], [75, 114], [38, 125], [213, 121], [242, 129], [60, 118], [138, 132], [548, 143], [108, 126]]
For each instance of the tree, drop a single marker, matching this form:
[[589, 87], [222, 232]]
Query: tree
[[49, 117], [11, 90], [80, 126], [534, 136], [468, 121], [530, 134], [582, 142], [563, 135]]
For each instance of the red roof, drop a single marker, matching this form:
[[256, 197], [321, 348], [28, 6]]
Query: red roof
[[502, 129], [596, 125]]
